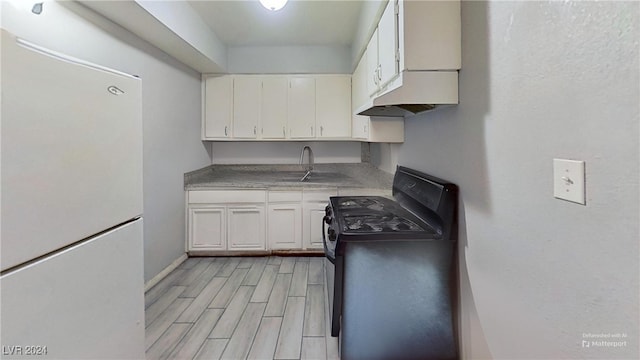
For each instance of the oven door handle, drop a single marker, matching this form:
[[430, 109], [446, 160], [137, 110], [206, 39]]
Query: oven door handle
[[324, 242]]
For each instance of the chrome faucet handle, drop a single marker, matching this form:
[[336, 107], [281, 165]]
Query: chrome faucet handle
[[306, 175]]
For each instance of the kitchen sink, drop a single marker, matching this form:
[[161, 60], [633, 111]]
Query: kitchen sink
[[316, 177]]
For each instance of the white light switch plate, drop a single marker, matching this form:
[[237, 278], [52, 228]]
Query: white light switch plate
[[568, 180]]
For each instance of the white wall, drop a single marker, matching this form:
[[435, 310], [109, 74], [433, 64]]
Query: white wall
[[284, 152], [542, 80], [367, 22], [171, 111], [289, 60], [184, 21], [385, 156]]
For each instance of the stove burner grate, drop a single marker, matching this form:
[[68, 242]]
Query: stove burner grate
[[379, 223]]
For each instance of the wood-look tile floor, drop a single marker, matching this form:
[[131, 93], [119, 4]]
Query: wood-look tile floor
[[240, 308]]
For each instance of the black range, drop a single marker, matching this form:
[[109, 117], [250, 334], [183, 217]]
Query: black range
[[390, 270]]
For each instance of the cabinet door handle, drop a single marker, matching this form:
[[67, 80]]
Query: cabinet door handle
[[311, 127], [321, 130], [254, 130], [284, 132], [225, 130], [379, 73]]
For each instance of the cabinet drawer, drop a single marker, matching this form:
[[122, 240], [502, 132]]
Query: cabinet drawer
[[226, 196], [285, 196], [318, 195]]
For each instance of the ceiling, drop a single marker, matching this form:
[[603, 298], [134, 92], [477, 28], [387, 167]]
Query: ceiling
[[300, 22]]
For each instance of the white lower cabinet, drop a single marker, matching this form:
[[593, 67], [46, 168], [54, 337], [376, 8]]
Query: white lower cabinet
[[313, 204], [313, 217], [207, 228], [246, 227], [221, 220], [237, 220], [285, 226], [284, 220]]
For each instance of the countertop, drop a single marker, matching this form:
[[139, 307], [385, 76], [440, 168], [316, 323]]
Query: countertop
[[358, 175]]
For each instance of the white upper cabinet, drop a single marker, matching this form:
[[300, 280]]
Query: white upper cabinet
[[413, 36], [371, 59], [274, 107], [246, 106], [422, 37], [302, 107], [388, 56], [277, 107], [382, 51], [218, 107], [371, 129], [429, 35], [359, 94], [333, 106]]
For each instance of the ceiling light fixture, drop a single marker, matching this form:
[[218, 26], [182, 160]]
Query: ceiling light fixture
[[37, 8], [34, 6], [273, 5]]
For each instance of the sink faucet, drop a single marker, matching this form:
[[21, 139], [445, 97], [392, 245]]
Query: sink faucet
[[309, 166]]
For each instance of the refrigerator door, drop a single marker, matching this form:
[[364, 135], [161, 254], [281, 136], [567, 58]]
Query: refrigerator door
[[85, 302], [71, 150]]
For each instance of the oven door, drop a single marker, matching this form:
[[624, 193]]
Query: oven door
[[331, 273], [329, 265], [329, 245]]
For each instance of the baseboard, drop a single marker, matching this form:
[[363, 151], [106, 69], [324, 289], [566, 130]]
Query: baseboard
[[161, 275], [316, 253], [207, 253]]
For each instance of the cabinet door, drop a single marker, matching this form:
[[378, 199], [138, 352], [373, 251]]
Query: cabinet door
[[333, 106], [360, 127], [312, 224], [372, 64], [246, 228], [387, 45], [246, 106], [385, 129], [429, 25], [274, 108], [302, 107], [207, 229], [218, 107], [285, 226], [359, 95]]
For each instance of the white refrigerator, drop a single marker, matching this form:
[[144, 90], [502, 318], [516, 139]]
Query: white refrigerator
[[71, 280]]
